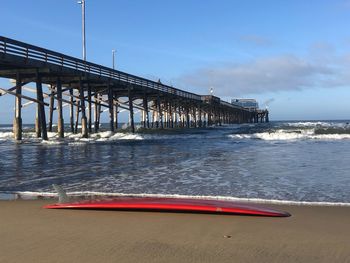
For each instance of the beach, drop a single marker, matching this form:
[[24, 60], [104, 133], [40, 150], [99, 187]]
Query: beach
[[29, 233]]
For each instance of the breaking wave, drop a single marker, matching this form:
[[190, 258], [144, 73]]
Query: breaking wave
[[299, 131], [289, 136], [107, 136], [73, 139]]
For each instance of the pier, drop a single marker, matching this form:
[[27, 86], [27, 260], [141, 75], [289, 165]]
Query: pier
[[88, 90]]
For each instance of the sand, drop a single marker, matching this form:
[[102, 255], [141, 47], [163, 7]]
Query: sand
[[29, 233]]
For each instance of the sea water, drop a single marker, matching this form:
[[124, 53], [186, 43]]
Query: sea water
[[281, 162]]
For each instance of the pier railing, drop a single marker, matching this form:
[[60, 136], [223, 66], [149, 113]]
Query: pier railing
[[27, 51], [30, 52]]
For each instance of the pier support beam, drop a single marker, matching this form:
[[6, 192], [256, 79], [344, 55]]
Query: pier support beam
[[115, 111], [155, 114], [194, 117], [187, 117], [171, 115], [77, 114], [145, 109], [182, 116], [96, 112], [210, 118], [89, 110], [84, 130], [37, 122], [71, 117], [111, 110], [131, 112], [52, 105], [60, 121], [160, 112], [175, 120], [40, 98], [17, 122]]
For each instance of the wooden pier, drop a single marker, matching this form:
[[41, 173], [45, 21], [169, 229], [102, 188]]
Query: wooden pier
[[89, 89]]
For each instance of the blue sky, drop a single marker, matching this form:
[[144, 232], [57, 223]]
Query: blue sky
[[294, 54]]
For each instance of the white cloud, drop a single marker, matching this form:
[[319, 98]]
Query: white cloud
[[279, 73]]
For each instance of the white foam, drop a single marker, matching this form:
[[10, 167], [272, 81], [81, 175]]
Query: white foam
[[309, 124], [29, 195], [331, 136], [126, 136], [52, 142], [76, 143], [6, 135], [316, 124], [284, 135], [74, 139], [106, 136]]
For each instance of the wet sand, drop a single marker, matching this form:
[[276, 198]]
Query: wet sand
[[29, 233]]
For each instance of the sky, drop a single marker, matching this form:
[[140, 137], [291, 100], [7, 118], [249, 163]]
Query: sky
[[292, 56]]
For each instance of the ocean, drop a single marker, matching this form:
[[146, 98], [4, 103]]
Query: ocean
[[277, 162]]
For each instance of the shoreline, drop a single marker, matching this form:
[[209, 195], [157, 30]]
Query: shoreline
[[30, 233], [49, 196]]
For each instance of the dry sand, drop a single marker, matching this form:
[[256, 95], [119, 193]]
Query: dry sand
[[29, 233]]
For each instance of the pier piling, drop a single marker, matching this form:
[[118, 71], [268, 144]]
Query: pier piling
[[71, 112], [17, 122], [115, 112], [51, 107], [131, 111], [89, 109], [60, 121], [145, 110], [84, 130], [111, 110], [40, 98]]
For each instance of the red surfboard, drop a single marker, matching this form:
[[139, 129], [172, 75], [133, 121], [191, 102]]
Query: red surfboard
[[172, 205]]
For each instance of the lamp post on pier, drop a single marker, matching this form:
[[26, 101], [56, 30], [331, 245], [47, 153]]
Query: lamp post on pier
[[82, 3], [113, 58]]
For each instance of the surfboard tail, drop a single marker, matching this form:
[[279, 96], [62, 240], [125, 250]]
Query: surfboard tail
[[62, 195]]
